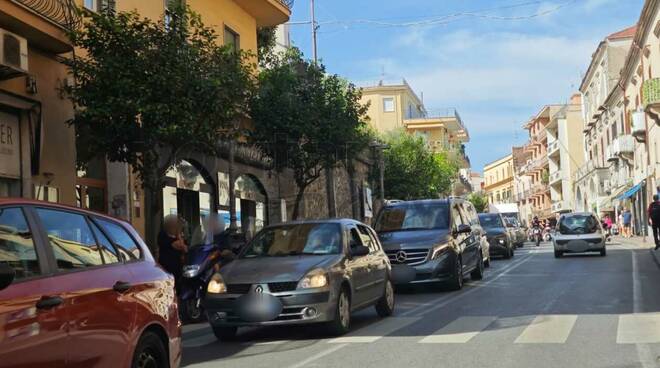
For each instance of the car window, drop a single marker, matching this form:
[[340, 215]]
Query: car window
[[456, 217], [471, 214], [71, 239], [110, 254], [418, 216], [296, 239], [367, 240], [128, 248], [16, 244], [356, 239], [374, 239]]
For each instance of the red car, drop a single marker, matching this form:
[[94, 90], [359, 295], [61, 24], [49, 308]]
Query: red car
[[80, 289]]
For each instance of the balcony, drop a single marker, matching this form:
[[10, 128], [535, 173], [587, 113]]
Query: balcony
[[623, 145], [553, 148], [560, 206], [268, 13], [651, 101], [556, 177], [588, 169], [61, 12], [639, 125], [610, 156]]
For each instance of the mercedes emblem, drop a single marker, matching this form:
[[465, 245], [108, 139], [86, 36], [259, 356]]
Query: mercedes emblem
[[259, 289], [401, 256]]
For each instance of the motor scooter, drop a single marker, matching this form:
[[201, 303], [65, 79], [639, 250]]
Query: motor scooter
[[203, 261], [537, 235]]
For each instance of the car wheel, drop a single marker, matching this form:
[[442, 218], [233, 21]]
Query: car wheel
[[478, 273], [225, 333], [150, 352], [558, 254], [603, 252], [342, 321], [385, 305], [191, 311], [456, 282]]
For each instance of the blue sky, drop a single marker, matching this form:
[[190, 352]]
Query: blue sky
[[497, 68]]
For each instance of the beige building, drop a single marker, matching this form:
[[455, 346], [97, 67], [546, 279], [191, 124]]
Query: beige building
[[390, 104], [565, 153], [498, 180]]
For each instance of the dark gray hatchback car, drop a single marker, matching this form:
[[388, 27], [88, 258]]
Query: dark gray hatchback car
[[302, 273]]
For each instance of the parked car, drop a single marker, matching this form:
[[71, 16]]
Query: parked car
[[517, 232], [499, 237], [579, 233], [302, 273], [432, 241], [81, 289]]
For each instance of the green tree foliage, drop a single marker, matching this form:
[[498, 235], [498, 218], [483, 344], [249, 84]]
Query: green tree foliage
[[149, 92], [307, 120], [413, 171], [266, 41], [479, 201]]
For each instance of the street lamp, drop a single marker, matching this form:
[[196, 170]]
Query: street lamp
[[380, 147]]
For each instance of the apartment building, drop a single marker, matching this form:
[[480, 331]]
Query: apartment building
[[522, 183], [605, 124], [498, 180], [565, 153]]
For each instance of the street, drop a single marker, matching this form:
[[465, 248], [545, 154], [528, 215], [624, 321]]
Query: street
[[535, 310]]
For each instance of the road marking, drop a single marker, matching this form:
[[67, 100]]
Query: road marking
[[199, 341], [638, 328], [548, 329], [644, 352], [262, 343], [375, 331], [459, 331], [317, 356]]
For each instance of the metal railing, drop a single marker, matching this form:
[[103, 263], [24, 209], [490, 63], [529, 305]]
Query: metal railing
[[61, 12], [287, 3]]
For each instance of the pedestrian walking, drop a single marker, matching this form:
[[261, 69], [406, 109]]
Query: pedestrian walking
[[654, 220], [627, 221]]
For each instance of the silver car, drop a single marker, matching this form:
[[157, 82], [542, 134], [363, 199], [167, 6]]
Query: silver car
[[579, 233], [302, 273]]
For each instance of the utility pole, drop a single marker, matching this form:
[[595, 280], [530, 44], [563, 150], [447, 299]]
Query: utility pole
[[329, 171]]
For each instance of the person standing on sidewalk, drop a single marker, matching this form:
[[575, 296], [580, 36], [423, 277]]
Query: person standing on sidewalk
[[654, 220], [627, 219]]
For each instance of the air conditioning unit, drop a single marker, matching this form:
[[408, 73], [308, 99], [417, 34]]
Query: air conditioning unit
[[13, 54], [639, 125]]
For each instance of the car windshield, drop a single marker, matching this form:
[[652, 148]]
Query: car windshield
[[578, 224], [298, 239], [413, 217], [490, 221]]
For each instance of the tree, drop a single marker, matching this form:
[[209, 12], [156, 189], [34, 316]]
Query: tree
[[146, 92], [306, 120], [266, 41], [413, 171], [479, 201]]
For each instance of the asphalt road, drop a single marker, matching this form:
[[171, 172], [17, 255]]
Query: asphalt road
[[531, 311]]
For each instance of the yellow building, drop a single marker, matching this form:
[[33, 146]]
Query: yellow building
[[498, 180], [39, 160]]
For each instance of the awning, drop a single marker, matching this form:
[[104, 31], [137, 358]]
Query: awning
[[631, 192]]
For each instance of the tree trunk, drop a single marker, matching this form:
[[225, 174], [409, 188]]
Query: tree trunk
[[299, 199]]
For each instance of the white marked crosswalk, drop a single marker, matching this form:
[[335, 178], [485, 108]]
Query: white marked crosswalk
[[459, 331], [641, 328], [548, 329], [637, 328]]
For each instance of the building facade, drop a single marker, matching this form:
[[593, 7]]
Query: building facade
[[498, 180]]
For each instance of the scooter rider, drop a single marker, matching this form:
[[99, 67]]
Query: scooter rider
[[537, 229]]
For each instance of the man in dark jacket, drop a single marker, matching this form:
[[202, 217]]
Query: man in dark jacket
[[654, 220]]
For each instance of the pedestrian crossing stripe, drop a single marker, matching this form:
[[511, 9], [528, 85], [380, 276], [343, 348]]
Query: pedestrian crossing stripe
[[639, 328], [459, 331], [376, 331], [548, 329]]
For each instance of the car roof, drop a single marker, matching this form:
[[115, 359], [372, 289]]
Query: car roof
[[34, 202], [422, 201], [571, 214], [339, 221]]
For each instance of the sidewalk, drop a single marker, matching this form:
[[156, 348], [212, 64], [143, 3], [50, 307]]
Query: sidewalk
[[637, 240]]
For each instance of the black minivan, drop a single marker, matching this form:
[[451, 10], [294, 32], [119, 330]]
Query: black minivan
[[432, 241]]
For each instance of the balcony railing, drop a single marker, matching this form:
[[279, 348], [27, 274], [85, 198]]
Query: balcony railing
[[623, 145], [555, 176], [552, 147], [287, 3], [651, 91], [61, 12]]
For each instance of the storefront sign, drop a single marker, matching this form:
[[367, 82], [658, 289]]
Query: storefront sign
[[9, 146]]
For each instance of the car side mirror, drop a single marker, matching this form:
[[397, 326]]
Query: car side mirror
[[359, 251], [7, 275], [463, 229]]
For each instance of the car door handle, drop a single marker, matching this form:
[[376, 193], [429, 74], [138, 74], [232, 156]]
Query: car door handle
[[121, 286], [48, 302]]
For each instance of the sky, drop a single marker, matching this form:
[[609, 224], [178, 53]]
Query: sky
[[496, 61]]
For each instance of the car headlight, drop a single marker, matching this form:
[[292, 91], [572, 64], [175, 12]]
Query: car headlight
[[439, 250], [216, 285], [313, 279], [190, 271], [501, 241]]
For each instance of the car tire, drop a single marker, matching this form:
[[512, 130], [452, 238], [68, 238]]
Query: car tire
[[513, 252], [603, 252], [478, 272], [341, 323], [508, 253], [456, 282], [558, 254], [150, 352], [225, 333], [385, 305]]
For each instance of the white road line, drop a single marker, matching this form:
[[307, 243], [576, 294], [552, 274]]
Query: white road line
[[317, 356], [548, 329], [376, 331], [459, 331], [638, 328], [262, 343]]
